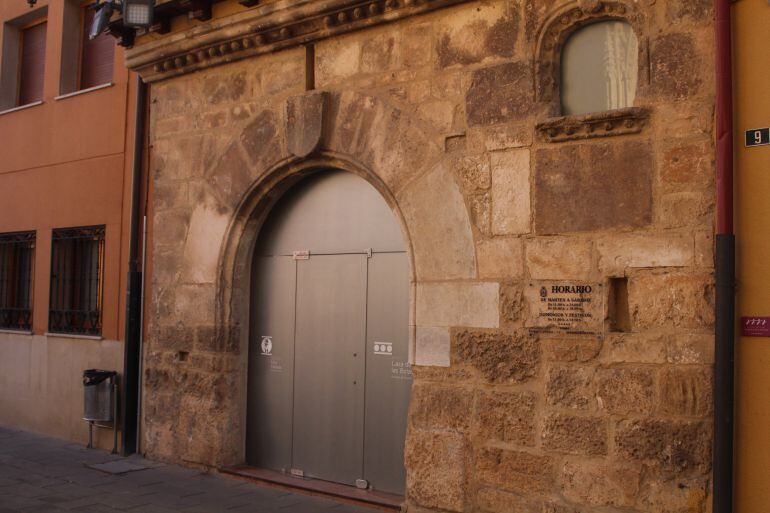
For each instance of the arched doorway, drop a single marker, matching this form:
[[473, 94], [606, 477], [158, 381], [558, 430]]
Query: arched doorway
[[329, 379]]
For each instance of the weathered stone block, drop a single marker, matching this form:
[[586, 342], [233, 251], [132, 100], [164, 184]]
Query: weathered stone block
[[510, 302], [505, 416], [499, 94], [686, 391], [261, 139], [687, 163], [504, 137], [500, 358], [481, 212], [337, 60], [675, 495], [204, 239], [658, 300], [510, 192], [442, 239], [691, 349], [599, 484], [175, 338], [304, 122], [671, 446], [575, 435], [500, 258], [491, 500], [570, 387], [559, 259], [637, 348], [416, 46], [675, 66], [571, 349], [441, 407], [591, 187], [473, 173], [458, 304], [516, 471], [433, 346], [379, 53], [625, 390], [620, 252], [436, 469], [475, 33], [225, 89]]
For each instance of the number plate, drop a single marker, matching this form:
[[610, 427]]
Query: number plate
[[758, 137]]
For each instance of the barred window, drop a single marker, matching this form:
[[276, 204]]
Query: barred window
[[17, 257], [77, 271]]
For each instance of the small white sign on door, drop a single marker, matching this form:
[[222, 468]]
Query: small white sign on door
[[384, 348], [267, 345]]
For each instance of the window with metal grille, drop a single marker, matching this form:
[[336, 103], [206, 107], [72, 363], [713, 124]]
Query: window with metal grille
[[77, 271], [32, 66], [97, 55], [17, 257]]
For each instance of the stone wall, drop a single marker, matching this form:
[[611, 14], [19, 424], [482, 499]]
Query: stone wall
[[447, 113]]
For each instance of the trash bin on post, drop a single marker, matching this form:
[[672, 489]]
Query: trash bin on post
[[100, 401]]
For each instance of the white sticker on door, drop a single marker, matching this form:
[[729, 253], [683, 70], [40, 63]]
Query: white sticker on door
[[267, 345], [383, 348]]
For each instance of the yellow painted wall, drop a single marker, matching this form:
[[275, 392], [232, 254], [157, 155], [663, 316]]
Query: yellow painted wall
[[752, 110]]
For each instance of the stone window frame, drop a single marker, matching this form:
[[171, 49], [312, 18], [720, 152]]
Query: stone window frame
[[552, 37]]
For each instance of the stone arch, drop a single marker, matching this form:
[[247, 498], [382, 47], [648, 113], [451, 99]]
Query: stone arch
[[366, 136], [564, 22]]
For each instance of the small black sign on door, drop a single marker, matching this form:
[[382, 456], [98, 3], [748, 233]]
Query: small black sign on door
[[758, 137]]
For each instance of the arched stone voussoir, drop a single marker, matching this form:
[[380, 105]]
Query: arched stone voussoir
[[393, 144], [439, 226]]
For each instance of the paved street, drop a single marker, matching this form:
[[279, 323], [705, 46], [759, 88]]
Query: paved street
[[45, 475]]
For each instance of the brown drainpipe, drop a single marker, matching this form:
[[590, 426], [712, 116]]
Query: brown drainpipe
[[722, 459]]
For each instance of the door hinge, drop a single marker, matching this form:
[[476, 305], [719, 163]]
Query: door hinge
[[297, 472], [368, 252], [301, 255], [363, 484]]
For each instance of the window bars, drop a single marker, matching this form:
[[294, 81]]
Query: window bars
[[77, 269], [17, 257]]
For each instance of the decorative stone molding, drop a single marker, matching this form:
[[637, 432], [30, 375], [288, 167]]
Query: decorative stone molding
[[265, 29], [304, 122], [563, 23], [601, 124]]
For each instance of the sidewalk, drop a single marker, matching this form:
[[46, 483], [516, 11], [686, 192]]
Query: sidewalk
[[46, 475]]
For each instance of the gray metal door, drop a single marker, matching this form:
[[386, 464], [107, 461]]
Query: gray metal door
[[329, 378]]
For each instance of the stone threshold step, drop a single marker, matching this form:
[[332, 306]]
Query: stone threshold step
[[373, 499]]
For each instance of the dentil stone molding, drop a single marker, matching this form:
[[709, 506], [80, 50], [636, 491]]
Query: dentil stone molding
[[265, 29], [601, 124]]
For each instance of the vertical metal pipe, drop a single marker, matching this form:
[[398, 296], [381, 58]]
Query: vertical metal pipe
[[725, 269], [130, 400]]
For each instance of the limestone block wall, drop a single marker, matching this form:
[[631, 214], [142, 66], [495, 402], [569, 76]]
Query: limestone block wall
[[441, 113]]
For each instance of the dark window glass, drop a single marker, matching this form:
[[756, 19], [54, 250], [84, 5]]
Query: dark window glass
[[32, 67], [17, 257], [77, 270], [97, 57]]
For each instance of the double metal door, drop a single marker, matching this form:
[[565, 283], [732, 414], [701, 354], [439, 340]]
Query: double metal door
[[329, 378]]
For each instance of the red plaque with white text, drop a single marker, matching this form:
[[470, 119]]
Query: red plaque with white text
[[755, 326]]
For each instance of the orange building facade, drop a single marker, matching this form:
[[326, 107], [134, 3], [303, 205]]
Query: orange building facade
[[65, 162]]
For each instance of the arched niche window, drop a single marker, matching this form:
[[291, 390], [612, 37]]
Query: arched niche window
[[599, 68]]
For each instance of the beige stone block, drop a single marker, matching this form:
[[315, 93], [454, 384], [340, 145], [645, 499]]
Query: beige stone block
[[432, 346], [436, 472], [705, 252], [469, 36], [202, 244], [498, 357], [620, 252], [516, 471], [575, 435], [473, 304], [473, 173], [598, 484], [505, 416], [510, 192], [380, 52], [571, 349], [491, 500], [437, 114], [625, 390], [441, 407], [686, 391], [559, 259], [337, 60], [504, 137], [671, 300], [637, 348], [194, 304], [500, 258], [691, 348], [417, 49], [675, 496], [570, 387], [668, 446], [439, 229]]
